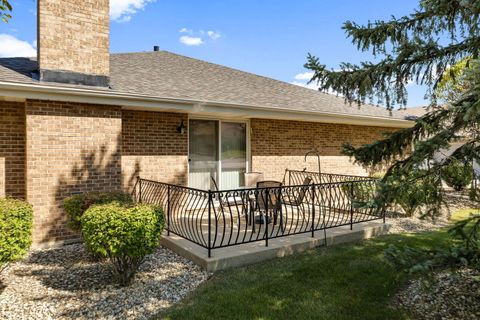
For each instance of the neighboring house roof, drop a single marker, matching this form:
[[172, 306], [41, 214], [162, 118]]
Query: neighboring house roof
[[165, 74], [414, 112]]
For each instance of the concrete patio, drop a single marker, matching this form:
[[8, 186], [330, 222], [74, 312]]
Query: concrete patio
[[249, 253]]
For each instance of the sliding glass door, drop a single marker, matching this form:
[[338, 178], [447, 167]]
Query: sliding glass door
[[233, 153], [203, 153], [217, 149]]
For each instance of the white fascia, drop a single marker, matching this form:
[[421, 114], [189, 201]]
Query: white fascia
[[18, 91]]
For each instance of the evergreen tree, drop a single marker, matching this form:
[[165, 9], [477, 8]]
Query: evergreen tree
[[416, 48]]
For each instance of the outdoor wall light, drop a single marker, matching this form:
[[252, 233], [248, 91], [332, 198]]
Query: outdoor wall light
[[181, 128]]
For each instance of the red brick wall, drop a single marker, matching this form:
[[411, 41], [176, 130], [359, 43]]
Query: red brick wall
[[152, 148], [278, 144], [12, 149], [70, 148], [2, 177]]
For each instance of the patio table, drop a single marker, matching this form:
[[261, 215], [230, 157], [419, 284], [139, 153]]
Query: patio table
[[253, 204]]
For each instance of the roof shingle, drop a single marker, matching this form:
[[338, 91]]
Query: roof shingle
[[169, 75]]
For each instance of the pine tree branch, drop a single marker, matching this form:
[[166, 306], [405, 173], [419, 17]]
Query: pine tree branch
[[417, 61], [430, 133], [414, 54], [434, 17]]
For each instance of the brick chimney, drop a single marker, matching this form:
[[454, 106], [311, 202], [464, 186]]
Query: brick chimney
[[73, 41]]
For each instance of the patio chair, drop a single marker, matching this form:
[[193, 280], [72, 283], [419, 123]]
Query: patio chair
[[227, 201], [266, 205], [296, 200], [295, 197]]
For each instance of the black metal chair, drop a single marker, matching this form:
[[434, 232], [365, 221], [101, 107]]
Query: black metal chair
[[227, 201], [294, 197], [267, 202], [240, 203], [296, 200]]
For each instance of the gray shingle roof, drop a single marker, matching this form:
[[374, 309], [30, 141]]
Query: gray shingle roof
[[17, 69], [165, 74], [415, 112]]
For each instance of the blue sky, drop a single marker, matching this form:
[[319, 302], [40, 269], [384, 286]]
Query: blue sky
[[269, 38]]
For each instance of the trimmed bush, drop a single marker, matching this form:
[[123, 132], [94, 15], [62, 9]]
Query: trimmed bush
[[15, 229], [124, 234], [457, 175], [76, 205]]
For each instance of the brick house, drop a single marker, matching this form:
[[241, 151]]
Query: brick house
[[77, 118]]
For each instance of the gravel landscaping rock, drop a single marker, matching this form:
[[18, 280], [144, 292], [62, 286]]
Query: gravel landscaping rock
[[65, 283], [454, 201], [414, 224], [447, 295], [444, 294]]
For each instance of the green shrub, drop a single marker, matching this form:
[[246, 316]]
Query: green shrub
[[15, 229], [361, 193], [457, 175], [415, 190], [411, 197], [124, 234], [410, 201], [76, 205]]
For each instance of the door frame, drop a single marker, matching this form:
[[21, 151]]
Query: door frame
[[219, 120]]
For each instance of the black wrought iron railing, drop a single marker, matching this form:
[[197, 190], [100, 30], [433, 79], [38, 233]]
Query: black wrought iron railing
[[217, 219], [295, 177]]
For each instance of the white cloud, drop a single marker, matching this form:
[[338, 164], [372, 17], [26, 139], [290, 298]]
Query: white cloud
[[311, 85], [305, 76], [197, 37], [13, 47], [302, 80], [185, 30], [123, 10], [213, 35], [191, 41]]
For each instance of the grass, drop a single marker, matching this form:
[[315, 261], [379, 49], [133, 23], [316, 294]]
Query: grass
[[344, 282]]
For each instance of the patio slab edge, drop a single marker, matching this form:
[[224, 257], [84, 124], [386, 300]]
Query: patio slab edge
[[250, 253]]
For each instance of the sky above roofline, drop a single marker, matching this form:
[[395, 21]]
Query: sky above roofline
[[268, 38]]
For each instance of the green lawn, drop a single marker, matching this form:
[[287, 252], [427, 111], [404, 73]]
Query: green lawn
[[343, 282]]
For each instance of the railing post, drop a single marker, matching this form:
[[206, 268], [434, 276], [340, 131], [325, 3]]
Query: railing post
[[267, 199], [313, 211], [139, 189], [168, 210], [209, 245], [351, 205], [322, 194]]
